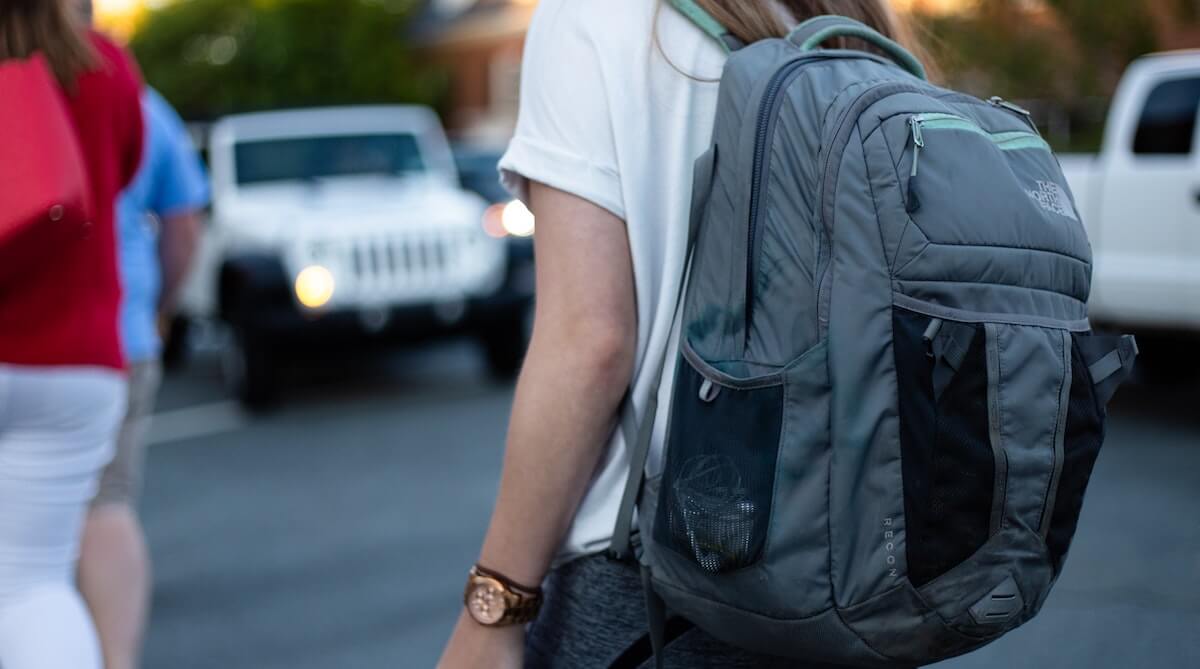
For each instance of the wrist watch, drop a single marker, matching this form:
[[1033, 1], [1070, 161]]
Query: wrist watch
[[496, 601]]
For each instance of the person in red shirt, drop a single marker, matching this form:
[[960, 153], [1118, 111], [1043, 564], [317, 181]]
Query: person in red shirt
[[62, 379]]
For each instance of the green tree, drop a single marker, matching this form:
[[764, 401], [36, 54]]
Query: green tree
[[1108, 39], [1054, 49], [213, 57], [1067, 55], [997, 48]]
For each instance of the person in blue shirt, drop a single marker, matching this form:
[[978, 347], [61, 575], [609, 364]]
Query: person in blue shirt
[[158, 228]]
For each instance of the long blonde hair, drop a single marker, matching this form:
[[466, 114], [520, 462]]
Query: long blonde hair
[[49, 27], [754, 20]]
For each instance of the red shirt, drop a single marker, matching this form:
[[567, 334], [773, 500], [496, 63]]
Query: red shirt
[[65, 313]]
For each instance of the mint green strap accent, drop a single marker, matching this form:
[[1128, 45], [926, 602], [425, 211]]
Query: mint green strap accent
[[804, 31], [1015, 140], [1022, 141], [708, 24], [814, 32]]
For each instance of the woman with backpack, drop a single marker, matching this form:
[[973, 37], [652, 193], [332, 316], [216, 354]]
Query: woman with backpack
[[618, 99], [62, 379]]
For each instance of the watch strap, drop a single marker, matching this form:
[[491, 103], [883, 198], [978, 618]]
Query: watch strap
[[480, 570], [522, 611]]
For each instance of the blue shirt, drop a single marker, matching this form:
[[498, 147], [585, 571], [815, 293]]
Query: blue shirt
[[171, 180]]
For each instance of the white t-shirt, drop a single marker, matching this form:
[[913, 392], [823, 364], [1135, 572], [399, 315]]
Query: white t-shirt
[[605, 116]]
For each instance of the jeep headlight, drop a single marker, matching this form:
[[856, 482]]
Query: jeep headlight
[[314, 286], [517, 219]]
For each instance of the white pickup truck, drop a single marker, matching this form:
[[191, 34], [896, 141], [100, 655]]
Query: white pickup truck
[[1140, 201], [335, 228]]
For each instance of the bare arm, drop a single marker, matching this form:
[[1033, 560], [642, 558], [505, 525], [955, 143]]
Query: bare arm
[[579, 364], [176, 248]]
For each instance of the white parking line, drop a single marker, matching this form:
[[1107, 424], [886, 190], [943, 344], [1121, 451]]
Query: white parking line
[[193, 422]]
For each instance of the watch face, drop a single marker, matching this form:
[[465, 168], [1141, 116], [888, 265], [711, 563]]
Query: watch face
[[487, 603]]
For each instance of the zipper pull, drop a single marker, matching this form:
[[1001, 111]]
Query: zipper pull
[[1016, 109], [918, 137], [918, 141], [709, 391], [931, 335]]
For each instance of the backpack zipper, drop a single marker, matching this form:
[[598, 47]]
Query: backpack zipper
[[766, 111], [1005, 141], [918, 138], [832, 159], [1010, 106], [1014, 108]]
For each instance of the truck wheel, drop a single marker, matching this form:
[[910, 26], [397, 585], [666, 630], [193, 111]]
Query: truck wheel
[[1168, 361], [249, 369], [505, 345]]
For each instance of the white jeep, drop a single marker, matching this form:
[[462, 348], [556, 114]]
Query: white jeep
[[336, 227]]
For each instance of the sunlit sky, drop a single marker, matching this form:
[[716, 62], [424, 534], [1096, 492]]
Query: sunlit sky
[[932, 5], [119, 16]]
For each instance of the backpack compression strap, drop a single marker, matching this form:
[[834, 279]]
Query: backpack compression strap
[[705, 21]]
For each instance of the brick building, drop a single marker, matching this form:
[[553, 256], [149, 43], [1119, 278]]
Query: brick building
[[479, 43]]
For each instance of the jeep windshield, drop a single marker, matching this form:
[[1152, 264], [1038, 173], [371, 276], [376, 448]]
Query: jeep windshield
[[315, 158]]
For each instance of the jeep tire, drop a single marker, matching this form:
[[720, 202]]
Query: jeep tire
[[249, 368], [176, 343], [504, 345], [1168, 360]]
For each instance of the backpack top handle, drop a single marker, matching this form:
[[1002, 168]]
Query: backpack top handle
[[813, 32], [808, 35]]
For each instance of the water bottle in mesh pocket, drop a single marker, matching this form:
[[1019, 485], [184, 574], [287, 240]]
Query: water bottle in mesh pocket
[[712, 517]]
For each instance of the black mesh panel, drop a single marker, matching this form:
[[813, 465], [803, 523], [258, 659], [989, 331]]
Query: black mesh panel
[[715, 500], [1084, 436], [946, 453]]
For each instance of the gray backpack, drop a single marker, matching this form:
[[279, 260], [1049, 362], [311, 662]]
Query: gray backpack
[[888, 399]]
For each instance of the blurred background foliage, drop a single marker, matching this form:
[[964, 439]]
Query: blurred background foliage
[[212, 57], [1062, 58], [1056, 49]]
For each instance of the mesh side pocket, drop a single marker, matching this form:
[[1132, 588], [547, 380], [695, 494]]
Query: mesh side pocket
[[715, 501]]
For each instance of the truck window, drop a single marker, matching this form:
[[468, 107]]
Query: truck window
[[1168, 122], [308, 158]]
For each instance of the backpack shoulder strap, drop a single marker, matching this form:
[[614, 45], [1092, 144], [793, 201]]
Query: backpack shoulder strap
[[638, 433], [705, 21]]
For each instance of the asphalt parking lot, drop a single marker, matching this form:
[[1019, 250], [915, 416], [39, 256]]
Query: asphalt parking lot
[[335, 531]]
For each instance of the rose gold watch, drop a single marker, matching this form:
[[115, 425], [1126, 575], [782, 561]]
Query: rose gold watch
[[496, 601]]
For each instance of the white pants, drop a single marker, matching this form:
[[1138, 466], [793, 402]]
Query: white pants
[[57, 427]]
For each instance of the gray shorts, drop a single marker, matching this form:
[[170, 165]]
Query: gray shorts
[[594, 610], [121, 481]]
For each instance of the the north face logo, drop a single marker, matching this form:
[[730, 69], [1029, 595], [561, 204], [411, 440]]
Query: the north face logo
[[1051, 197]]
